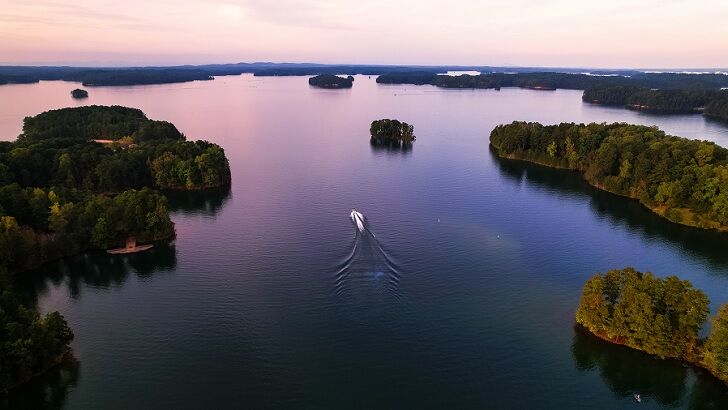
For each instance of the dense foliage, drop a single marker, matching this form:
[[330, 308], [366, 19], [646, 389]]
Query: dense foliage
[[683, 180], [715, 351], [718, 107], [29, 343], [58, 188], [331, 81], [37, 225], [658, 316], [62, 193], [391, 133], [610, 95], [103, 76], [79, 93], [57, 149], [552, 80], [640, 98], [662, 317], [96, 122]]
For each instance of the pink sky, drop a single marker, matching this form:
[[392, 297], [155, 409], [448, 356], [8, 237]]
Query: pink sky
[[615, 33]]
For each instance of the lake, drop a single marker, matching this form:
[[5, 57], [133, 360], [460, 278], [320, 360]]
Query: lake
[[459, 293]]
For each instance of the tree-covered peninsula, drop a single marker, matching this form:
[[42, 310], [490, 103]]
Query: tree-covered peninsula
[[685, 181], [552, 80], [331, 81], [666, 93], [391, 133], [718, 107], [652, 100], [78, 179], [662, 317]]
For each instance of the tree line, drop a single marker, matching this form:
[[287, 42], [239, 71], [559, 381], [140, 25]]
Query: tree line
[[391, 133], [57, 148], [331, 81], [664, 101], [662, 317], [685, 181], [63, 193], [554, 80]]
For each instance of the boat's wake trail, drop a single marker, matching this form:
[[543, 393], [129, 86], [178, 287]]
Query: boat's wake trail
[[368, 265]]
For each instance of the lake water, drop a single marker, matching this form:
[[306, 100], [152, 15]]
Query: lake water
[[460, 292]]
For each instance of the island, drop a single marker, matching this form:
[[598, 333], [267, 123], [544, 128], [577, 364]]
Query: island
[[79, 93], [562, 80], [682, 180], [391, 133], [664, 93], [79, 179], [652, 100], [659, 316], [331, 81]]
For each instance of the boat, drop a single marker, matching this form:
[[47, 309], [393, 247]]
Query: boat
[[131, 247], [358, 219]]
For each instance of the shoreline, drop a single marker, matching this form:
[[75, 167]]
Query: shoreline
[[695, 363], [66, 357], [659, 211], [40, 263]]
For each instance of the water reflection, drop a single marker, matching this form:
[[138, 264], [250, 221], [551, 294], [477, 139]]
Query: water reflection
[[97, 270], [401, 149], [627, 371], [48, 391], [705, 244], [206, 202]]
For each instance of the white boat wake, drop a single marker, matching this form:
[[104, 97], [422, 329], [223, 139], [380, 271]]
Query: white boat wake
[[358, 219], [367, 264]]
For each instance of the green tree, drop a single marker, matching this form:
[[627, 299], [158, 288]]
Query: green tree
[[715, 352]]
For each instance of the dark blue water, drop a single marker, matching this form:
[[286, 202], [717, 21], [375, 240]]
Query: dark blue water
[[459, 293]]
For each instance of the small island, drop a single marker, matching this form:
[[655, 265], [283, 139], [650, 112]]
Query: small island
[[331, 81], [391, 133], [79, 93], [682, 180], [79, 179], [661, 317]]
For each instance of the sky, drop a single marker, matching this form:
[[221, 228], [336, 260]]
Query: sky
[[548, 33]]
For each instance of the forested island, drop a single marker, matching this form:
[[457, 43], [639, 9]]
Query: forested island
[[685, 181], [79, 93], [661, 317], [103, 76], [391, 133], [331, 81], [563, 80], [667, 93], [78, 179], [712, 103]]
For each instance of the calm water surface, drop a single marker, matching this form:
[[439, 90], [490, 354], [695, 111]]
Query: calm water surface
[[460, 292]]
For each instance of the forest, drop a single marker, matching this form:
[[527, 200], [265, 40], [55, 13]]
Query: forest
[[29, 343], [79, 93], [554, 80], [331, 81], [662, 317], [391, 133], [78, 179], [685, 181], [718, 107], [644, 99], [63, 193]]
